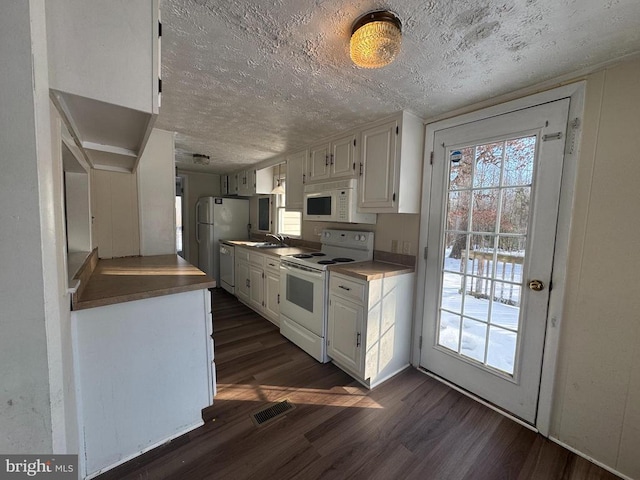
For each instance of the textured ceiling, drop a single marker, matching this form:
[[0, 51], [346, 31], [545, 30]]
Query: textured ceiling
[[244, 81]]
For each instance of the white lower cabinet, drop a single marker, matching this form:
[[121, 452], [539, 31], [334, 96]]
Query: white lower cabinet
[[257, 280], [256, 287], [346, 325], [272, 290], [242, 274], [369, 328]]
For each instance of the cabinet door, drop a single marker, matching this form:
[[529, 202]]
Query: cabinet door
[[294, 184], [242, 281], [319, 162], [256, 287], [224, 184], [251, 182], [343, 157], [243, 183], [272, 296], [346, 320], [377, 164], [232, 181]]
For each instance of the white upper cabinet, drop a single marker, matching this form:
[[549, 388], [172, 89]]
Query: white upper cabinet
[[245, 183], [335, 159], [104, 65], [294, 185], [344, 152], [318, 164], [390, 166], [255, 182]]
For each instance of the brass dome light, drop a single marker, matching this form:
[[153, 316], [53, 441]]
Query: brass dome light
[[375, 39]]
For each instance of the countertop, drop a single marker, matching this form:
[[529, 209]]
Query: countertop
[[126, 279], [372, 270], [275, 252]]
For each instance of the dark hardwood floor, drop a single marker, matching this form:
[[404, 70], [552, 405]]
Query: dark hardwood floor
[[411, 427]]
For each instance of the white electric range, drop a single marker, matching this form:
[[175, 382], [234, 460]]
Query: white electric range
[[304, 287]]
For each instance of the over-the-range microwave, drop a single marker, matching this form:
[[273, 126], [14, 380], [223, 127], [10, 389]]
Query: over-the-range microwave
[[334, 202]]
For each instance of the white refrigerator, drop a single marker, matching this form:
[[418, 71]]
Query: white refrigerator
[[219, 219]]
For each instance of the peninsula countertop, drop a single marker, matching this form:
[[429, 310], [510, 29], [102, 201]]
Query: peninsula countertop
[[126, 279]]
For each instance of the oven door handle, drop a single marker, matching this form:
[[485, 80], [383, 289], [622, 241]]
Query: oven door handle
[[300, 272]]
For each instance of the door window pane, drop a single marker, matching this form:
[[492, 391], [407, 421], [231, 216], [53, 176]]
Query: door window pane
[[450, 331], [488, 163], [485, 240], [502, 349], [474, 338]]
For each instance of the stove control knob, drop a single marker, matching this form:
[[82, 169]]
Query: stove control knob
[[327, 234]]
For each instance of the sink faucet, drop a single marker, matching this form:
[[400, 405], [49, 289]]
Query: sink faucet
[[279, 237]]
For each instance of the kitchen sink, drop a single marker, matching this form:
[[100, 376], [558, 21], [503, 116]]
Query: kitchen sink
[[265, 245], [270, 245]]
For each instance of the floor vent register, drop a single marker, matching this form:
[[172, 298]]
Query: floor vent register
[[272, 412]]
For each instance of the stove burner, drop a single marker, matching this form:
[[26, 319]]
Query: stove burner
[[302, 255], [318, 254], [326, 262], [343, 259]]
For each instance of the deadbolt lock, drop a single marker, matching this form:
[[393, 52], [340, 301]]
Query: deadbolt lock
[[536, 285]]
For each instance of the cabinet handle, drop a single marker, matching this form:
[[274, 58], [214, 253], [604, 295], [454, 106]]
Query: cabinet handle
[[248, 283], [332, 159], [304, 178], [344, 288], [361, 168], [278, 299], [326, 160], [358, 340]]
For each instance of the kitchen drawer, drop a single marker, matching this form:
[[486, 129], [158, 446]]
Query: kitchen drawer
[[256, 259], [347, 288], [271, 263], [242, 254]]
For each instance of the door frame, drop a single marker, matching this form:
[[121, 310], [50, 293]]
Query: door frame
[[576, 93]]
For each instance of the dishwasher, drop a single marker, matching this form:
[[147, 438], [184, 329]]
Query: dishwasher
[[227, 267]]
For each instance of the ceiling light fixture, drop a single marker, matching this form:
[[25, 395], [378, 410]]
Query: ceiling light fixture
[[375, 39], [279, 189]]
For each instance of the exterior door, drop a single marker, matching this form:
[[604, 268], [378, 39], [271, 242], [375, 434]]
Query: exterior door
[[492, 224]]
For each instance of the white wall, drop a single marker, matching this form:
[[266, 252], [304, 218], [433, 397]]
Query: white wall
[[114, 206], [156, 195], [197, 185], [78, 211], [597, 402], [25, 411]]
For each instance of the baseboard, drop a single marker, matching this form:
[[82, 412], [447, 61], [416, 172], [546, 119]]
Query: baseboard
[[145, 450], [591, 459]]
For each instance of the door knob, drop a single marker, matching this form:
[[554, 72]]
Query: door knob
[[536, 285]]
